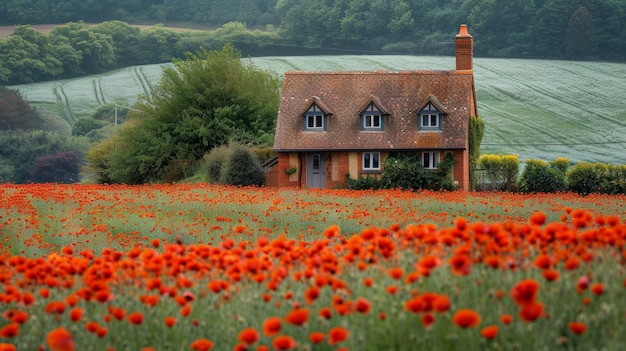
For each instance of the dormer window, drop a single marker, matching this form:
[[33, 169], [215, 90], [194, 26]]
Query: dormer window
[[429, 118], [372, 118], [315, 119]]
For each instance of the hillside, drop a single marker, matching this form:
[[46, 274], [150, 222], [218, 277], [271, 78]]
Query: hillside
[[532, 108]]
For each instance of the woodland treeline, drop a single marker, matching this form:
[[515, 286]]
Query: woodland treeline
[[554, 29]]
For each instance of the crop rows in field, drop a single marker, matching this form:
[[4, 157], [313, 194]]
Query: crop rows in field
[[532, 108]]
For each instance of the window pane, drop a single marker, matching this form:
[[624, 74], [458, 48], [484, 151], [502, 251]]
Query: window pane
[[375, 160], [435, 159], [318, 121], [366, 160], [368, 121], [433, 120], [426, 160], [309, 122], [424, 120], [376, 121]]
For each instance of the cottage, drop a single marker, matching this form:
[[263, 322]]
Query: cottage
[[331, 124]]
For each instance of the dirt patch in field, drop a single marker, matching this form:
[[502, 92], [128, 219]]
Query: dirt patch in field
[[5, 31]]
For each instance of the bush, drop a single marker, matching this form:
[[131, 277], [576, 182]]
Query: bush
[[541, 177], [242, 167], [363, 183], [214, 162], [85, 125], [587, 178], [234, 164], [500, 172], [405, 172], [62, 167]]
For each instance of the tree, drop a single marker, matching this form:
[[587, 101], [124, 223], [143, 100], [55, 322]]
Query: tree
[[580, 42], [62, 167], [16, 113], [206, 100]]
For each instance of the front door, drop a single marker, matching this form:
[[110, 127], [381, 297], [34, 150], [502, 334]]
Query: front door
[[316, 170]]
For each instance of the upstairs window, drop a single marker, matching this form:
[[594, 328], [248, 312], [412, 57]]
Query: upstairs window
[[429, 118], [315, 119], [430, 159], [371, 118]]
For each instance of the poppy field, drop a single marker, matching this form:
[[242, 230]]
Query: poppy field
[[208, 267]]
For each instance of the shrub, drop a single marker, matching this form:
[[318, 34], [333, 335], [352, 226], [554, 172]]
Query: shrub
[[62, 167], [587, 178], [542, 177], [85, 125], [214, 162], [363, 183], [242, 167], [405, 172], [500, 172]]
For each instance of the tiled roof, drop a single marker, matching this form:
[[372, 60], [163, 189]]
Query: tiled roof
[[400, 94]]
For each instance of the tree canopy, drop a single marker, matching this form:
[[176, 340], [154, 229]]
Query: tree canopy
[[203, 101]]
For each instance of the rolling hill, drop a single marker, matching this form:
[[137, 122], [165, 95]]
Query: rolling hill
[[533, 108]]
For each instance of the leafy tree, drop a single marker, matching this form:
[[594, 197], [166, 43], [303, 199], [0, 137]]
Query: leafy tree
[[16, 113], [96, 49], [580, 42], [201, 102], [19, 150], [62, 167]]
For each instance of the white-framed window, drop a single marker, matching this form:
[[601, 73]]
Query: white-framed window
[[371, 118], [429, 118], [430, 159], [371, 161], [314, 119]]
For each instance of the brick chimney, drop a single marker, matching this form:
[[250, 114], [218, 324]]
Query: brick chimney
[[464, 49]]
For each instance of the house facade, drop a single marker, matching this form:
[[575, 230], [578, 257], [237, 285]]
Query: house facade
[[333, 124]]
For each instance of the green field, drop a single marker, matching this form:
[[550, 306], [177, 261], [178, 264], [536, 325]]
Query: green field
[[532, 108]]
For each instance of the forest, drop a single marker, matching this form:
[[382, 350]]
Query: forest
[[548, 29]]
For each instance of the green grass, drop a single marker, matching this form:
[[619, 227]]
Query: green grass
[[533, 108]]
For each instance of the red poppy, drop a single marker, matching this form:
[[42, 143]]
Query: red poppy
[[10, 330], [316, 337], [92, 327], [506, 319], [311, 294], [525, 292], [76, 314], [466, 318], [248, 336], [7, 347], [170, 321], [368, 282], [461, 265], [396, 273], [284, 342], [297, 317], [392, 289], [135, 318], [201, 344], [427, 319], [489, 332], [362, 305], [325, 312], [60, 340], [102, 332], [337, 335], [597, 289], [538, 218], [550, 274], [543, 261], [577, 328], [271, 326], [441, 303], [531, 312]]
